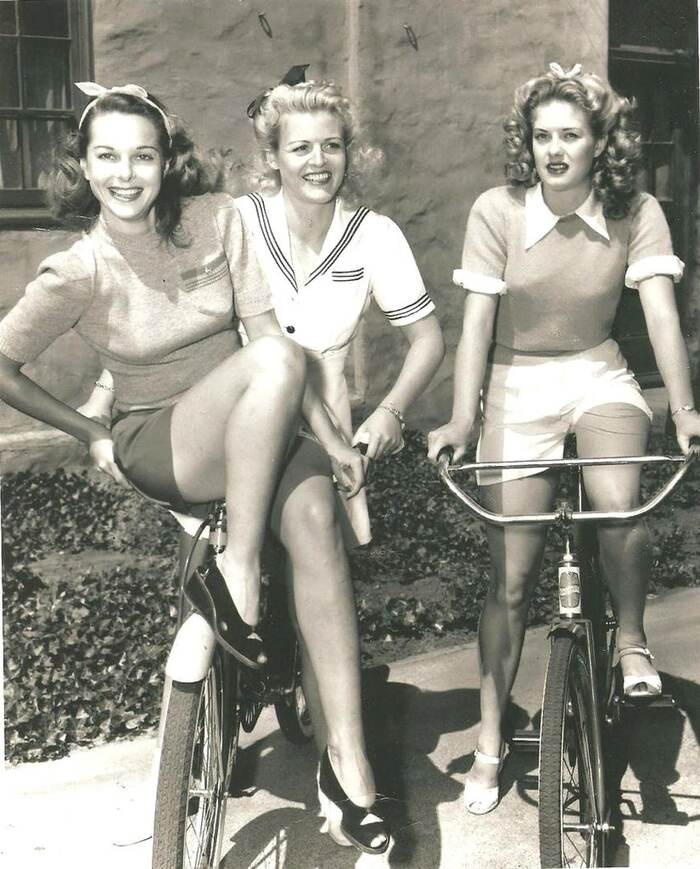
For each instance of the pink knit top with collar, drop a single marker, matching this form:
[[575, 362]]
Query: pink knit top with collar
[[559, 278]]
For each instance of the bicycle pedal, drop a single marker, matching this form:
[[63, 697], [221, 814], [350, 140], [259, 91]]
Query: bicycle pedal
[[525, 740], [663, 701]]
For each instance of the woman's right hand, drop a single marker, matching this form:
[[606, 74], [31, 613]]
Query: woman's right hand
[[349, 467], [453, 435], [101, 450]]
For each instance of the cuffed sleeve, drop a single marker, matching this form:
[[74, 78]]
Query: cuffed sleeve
[[395, 280], [650, 266], [476, 283], [484, 253], [650, 248]]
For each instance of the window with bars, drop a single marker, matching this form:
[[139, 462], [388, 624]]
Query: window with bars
[[44, 48]]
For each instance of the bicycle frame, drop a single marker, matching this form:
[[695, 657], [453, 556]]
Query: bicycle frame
[[580, 627]]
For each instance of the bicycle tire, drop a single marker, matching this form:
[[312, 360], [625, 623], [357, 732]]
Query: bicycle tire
[[193, 776], [293, 716], [569, 826]]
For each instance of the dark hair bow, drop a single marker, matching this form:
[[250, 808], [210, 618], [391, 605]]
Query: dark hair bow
[[294, 75]]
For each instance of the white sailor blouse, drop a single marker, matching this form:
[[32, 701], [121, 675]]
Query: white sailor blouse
[[364, 255]]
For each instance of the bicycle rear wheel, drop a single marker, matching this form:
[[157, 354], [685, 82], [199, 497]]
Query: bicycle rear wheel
[[570, 828], [197, 757]]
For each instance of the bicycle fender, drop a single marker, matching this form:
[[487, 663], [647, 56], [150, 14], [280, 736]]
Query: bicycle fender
[[564, 627], [192, 651]]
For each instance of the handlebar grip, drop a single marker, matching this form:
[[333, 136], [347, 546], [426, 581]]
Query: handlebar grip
[[445, 455]]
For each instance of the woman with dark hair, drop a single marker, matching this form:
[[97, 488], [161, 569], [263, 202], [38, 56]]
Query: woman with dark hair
[[544, 262], [156, 286]]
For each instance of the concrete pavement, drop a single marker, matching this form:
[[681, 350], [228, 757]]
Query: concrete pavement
[[422, 721]]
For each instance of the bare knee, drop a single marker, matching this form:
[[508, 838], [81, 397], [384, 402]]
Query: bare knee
[[278, 360], [513, 591], [613, 500], [318, 521]]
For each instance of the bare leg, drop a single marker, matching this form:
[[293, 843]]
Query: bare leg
[[322, 598], [516, 556], [625, 547], [229, 435]]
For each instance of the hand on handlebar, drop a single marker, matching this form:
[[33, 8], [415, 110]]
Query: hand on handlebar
[[349, 468], [688, 430], [453, 436], [382, 433]]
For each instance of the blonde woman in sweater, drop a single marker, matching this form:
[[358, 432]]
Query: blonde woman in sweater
[[543, 266], [156, 287]]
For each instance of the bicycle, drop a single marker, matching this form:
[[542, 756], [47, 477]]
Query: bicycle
[[582, 690], [209, 698]]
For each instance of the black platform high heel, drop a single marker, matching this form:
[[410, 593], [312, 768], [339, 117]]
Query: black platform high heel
[[207, 592], [359, 826]]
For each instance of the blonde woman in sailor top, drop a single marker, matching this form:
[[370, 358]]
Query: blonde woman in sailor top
[[543, 266], [326, 259]]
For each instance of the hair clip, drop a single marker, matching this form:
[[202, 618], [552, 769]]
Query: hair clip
[[294, 75], [557, 70]]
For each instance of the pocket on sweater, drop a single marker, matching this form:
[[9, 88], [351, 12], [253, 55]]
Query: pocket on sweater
[[208, 286]]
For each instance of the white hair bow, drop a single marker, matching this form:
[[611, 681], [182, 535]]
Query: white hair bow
[[96, 91], [557, 70]]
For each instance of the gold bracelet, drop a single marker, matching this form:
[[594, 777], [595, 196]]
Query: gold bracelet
[[395, 412], [687, 407]]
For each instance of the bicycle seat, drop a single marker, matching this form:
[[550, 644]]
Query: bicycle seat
[[197, 513]]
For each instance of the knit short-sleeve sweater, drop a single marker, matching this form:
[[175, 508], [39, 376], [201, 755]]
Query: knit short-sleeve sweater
[[159, 316], [560, 294]]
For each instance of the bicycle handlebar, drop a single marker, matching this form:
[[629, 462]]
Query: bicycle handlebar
[[445, 470]]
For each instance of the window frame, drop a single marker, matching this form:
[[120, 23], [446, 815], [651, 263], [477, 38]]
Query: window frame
[[20, 209]]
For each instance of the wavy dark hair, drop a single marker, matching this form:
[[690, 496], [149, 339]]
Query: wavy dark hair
[[71, 199], [364, 161], [610, 117]]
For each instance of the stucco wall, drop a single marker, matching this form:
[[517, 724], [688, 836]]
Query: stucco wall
[[436, 111]]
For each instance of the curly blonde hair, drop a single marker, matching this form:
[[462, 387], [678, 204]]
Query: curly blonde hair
[[363, 161], [610, 117]]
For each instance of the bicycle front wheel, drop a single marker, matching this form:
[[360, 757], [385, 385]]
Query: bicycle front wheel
[[197, 757], [570, 828]]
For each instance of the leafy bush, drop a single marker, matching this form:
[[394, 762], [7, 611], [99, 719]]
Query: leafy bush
[[84, 658], [88, 579]]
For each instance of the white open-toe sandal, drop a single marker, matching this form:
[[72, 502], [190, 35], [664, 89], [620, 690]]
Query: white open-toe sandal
[[640, 687], [478, 799]]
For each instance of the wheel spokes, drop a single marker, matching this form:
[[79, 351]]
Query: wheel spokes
[[206, 783], [579, 815]]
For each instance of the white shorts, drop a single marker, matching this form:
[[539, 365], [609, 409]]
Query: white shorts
[[531, 402]]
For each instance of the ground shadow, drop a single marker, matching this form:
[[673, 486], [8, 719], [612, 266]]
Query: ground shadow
[[403, 726], [648, 742]]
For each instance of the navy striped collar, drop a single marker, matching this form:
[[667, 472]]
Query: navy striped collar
[[272, 220]]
